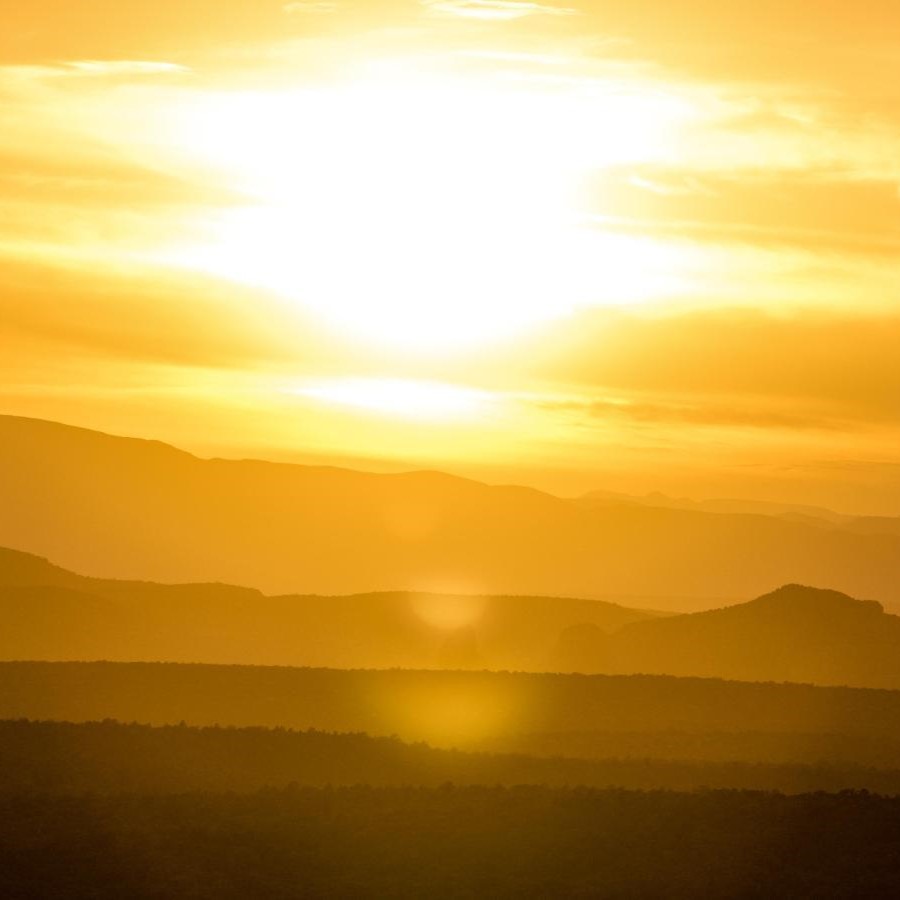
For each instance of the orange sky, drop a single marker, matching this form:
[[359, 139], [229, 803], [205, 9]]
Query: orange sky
[[634, 245]]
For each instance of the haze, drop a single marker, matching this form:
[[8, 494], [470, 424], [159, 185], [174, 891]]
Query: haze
[[590, 246]]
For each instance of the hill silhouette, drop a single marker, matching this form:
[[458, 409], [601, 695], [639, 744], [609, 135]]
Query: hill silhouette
[[795, 633], [133, 509], [601, 499], [109, 757], [512, 711], [49, 613]]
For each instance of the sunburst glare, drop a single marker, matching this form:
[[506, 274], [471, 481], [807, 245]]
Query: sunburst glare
[[430, 212]]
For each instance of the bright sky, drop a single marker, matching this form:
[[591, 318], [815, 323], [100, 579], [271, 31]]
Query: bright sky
[[635, 245]]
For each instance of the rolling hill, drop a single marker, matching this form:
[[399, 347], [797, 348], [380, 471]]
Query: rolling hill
[[107, 757], [464, 709], [50, 613], [134, 509], [795, 633]]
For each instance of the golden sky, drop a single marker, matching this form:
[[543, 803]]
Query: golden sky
[[634, 245]]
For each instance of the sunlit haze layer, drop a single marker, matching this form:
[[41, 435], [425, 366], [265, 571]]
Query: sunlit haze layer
[[631, 245]]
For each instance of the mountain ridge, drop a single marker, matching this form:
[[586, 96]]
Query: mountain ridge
[[795, 633], [115, 508], [47, 612]]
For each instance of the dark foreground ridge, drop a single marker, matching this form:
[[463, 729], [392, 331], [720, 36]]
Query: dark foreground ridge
[[597, 716], [449, 842], [110, 757], [413, 704]]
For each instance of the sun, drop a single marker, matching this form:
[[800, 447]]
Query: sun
[[422, 212]]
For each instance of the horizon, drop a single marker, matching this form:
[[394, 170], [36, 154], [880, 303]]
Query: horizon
[[573, 246]]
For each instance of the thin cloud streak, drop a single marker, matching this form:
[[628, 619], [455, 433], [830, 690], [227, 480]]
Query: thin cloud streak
[[737, 414], [499, 10]]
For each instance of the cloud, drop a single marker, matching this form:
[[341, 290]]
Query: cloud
[[96, 184], [120, 67], [739, 413], [13, 76], [496, 9], [42, 30], [818, 210], [853, 48], [131, 313], [812, 369]]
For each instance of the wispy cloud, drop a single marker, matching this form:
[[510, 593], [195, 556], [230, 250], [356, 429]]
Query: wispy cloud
[[125, 67], [496, 9], [50, 307], [732, 367], [766, 207], [90, 68], [654, 413]]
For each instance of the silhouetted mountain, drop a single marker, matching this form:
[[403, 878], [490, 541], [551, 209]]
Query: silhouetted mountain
[[874, 525], [794, 512], [49, 613], [795, 633], [459, 650], [139, 509], [581, 648], [600, 499]]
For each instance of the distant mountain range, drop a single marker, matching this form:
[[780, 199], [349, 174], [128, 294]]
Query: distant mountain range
[[794, 512], [657, 500], [49, 613], [795, 633], [135, 509]]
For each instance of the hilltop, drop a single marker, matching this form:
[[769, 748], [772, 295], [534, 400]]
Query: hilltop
[[795, 633]]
